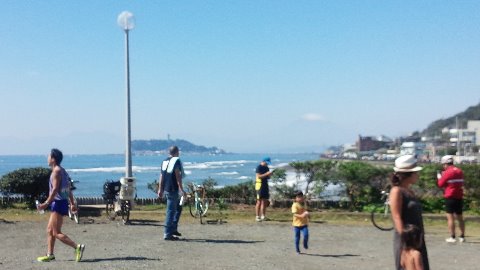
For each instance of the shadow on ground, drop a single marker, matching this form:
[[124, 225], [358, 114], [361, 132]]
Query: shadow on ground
[[223, 241], [129, 258], [144, 222], [85, 220], [216, 221], [290, 220], [331, 255], [6, 221]]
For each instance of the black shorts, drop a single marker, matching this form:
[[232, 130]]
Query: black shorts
[[263, 192], [454, 206]]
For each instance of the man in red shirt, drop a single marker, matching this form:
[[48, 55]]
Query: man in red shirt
[[451, 180]]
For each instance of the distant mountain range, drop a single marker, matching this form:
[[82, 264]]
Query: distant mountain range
[[435, 128], [161, 146]]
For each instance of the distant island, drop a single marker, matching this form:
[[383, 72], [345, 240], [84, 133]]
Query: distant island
[[150, 147]]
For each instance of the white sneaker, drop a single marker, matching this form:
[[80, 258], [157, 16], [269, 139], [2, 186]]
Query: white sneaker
[[258, 219], [461, 239], [450, 240]]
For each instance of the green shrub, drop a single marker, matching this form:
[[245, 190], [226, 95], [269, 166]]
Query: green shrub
[[244, 191], [472, 181], [472, 206], [433, 204], [32, 183], [370, 207]]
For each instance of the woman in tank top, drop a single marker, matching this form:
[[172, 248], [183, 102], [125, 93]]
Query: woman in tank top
[[405, 206]]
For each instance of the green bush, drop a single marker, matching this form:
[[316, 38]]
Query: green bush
[[433, 204], [32, 183], [472, 181], [473, 206], [363, 182], [370, 207], [245, 191], [279, 189]]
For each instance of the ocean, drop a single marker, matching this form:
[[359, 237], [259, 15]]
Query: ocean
[[91, 171]]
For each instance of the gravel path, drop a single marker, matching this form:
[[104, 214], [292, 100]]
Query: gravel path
[[247, 245]]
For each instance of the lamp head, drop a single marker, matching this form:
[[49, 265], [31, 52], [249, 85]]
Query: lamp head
[[126, 20]]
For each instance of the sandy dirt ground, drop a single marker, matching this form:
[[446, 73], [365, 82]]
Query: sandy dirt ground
[[232, 245]]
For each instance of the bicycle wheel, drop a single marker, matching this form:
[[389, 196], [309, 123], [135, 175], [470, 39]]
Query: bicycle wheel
[[381, 218], [125, 212], [191, 207], [110, 210], [199, 211]]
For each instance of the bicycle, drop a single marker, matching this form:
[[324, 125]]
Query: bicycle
[[114, 205], [198, 206], [73, 215], [381, 216]]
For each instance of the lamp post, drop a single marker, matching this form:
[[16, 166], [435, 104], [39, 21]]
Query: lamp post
[[126, 21]]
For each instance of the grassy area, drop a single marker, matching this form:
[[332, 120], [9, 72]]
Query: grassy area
[[20, 212], [239, 213]]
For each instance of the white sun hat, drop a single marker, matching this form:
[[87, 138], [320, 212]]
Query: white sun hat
[[447, 159], [406, 163]]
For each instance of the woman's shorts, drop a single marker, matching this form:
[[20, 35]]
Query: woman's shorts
[[454, 206], [263, 192], [60, 206]]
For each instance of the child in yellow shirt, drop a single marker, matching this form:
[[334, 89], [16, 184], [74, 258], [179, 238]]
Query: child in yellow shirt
[[300, 221]]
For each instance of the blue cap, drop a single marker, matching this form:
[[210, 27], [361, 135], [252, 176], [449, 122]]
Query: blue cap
[[267, 160]]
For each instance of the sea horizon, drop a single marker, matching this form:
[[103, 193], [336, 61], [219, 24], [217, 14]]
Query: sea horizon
[[184, 153], [92, 170]]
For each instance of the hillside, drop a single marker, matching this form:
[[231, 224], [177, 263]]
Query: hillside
[[435, 128], [163, 145]]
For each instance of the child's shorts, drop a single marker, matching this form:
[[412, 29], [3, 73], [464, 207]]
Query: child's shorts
[[60, 206]]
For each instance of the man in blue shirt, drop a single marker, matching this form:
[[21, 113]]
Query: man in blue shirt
[[169, 186]]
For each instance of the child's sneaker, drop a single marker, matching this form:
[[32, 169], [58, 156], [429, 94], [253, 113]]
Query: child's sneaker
[[79, 252], [258, 219], [461, 239], [46, 258]]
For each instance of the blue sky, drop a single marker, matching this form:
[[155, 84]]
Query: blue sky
[[246, 76]]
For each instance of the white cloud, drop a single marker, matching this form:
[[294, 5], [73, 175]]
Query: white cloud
[[313, 117]]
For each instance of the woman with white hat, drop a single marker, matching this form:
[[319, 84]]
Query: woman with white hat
[[405, 206]]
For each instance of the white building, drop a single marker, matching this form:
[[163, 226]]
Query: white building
[[412, 148], [474, 126]]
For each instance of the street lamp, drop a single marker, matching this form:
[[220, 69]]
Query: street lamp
[[126, 21]]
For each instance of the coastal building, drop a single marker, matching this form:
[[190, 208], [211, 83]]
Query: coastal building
[[474, 126], [370, 143], [413, 148], [465, 140]]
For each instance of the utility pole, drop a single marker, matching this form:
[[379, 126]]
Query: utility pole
[[458, 137]]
